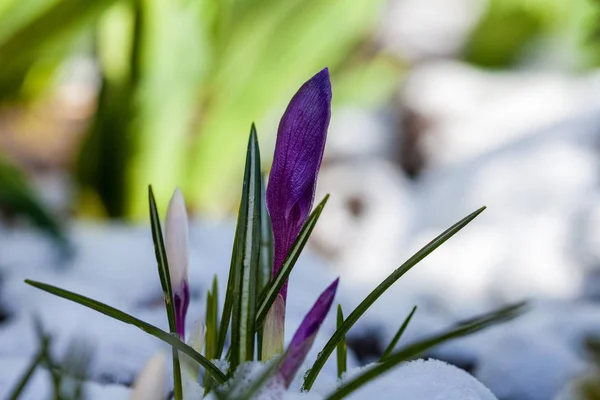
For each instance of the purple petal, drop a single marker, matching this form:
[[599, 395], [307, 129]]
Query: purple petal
[[306, 333], [296, 162], [181, 301]]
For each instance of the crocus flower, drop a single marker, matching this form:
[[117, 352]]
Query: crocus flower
[[296, 162], [177, 248], [292, 183], [151, 383], [305, 335]]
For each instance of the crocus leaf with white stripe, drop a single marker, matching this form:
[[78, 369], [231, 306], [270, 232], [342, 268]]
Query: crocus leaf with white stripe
[[266, 242], [305, 335], [247, 257]]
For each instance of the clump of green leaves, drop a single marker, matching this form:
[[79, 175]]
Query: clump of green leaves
[[252, 318], [242, 331]]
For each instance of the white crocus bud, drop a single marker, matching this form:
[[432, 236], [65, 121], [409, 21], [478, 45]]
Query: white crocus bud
[[151, 382], [196, 342], [190, 368], [177, 239]]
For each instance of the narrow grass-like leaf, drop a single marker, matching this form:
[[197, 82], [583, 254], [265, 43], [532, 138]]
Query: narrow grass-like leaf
[[266, 256], [417, 348], [165, 281], [398, 335], [36, 361], [128, 319], [215, 293], [312, 373], [272, 290], [212, 307], [247, 259], [161, 258], [341, 347], [266, 242], [229, 300], [212, 327]]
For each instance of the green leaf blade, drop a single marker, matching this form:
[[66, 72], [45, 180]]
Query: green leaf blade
[[248, 237], [165, 281], [341, 347], [398, 334], [274, 287], [22, 383], [212, 307], [311, 374], [128, 319], [417, 348], [266, 257]]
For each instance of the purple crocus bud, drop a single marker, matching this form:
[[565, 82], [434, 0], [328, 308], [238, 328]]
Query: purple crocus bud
[[298, 153], [178, 253], [305, 335]]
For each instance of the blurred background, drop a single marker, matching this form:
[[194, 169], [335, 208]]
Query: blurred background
[[440, 107]]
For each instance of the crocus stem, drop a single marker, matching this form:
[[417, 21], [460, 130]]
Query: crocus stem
[[274, 330]]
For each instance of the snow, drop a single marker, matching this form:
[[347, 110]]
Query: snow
[[423, 379], [527, 367], [533, 162]]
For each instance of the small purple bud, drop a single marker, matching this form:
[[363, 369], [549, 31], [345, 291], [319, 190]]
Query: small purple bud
[[296, 162], [305, 335]]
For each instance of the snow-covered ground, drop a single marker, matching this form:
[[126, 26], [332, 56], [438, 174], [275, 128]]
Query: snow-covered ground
[[526, 147]]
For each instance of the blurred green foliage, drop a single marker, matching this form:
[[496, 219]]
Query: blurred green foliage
[[18, 198], [183, 79], [509, 29]]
